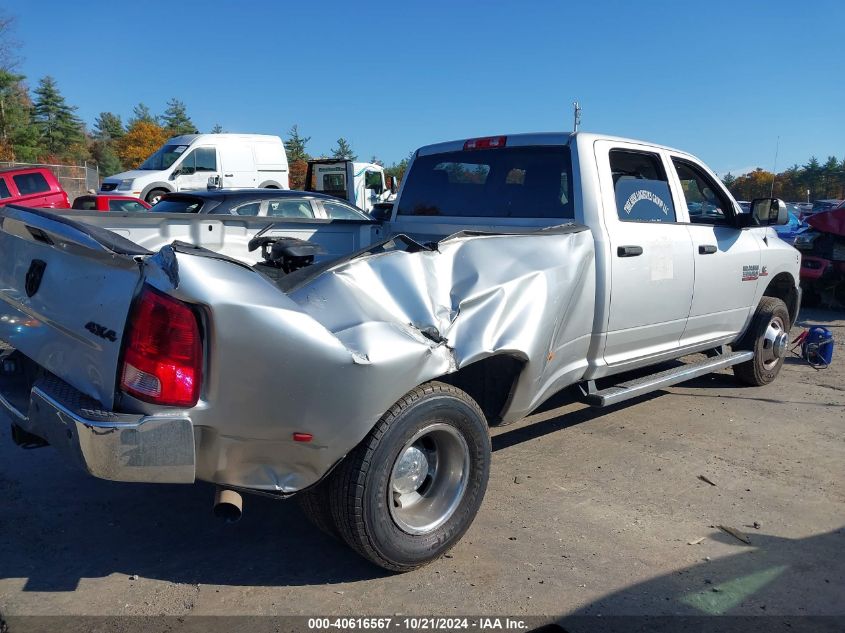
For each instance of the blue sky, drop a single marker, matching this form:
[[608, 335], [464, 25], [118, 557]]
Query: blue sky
[[719, 79]]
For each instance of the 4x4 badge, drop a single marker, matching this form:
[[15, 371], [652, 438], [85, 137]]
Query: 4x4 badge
[[34, 276]]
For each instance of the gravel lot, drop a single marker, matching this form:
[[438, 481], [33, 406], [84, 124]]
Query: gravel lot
[[587, 512]]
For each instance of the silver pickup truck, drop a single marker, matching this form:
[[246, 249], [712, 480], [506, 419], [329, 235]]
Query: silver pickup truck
[[511, 267]]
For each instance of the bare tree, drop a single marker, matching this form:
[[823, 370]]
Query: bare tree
[[9, 44]]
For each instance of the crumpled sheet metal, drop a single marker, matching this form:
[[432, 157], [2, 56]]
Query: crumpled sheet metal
[[527, 295], [339, 351], [829, 222]]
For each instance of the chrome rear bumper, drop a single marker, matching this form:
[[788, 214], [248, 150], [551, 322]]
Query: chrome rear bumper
[[108, 445]]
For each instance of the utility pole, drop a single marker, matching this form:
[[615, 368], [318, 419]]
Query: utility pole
[[577, 107]]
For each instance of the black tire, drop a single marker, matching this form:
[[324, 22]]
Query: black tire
[[155, 193], [361, 488], [314, 503], [765, 366]]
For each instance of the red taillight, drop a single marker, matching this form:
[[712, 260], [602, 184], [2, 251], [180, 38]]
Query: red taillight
[[162, 360], [488, 142]]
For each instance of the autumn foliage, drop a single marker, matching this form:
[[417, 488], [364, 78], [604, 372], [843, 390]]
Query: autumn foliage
[[140, 141], [297, 172]]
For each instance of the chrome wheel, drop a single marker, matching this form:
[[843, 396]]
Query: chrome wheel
[[428, 479], [775, 343]]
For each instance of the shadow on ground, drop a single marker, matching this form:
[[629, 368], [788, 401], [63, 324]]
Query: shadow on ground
[[58, 526]]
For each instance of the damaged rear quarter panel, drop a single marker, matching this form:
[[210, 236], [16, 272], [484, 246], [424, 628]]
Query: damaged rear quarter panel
[[340, 350]]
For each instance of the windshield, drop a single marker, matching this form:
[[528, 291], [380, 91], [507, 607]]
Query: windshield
[[509, 182], [164, 157]]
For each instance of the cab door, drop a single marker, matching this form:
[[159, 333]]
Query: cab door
[[651, 263], [727, 258], [196, 168]]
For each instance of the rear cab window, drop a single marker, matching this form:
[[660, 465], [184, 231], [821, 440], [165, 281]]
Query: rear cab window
[[85, 203], [506, 182], [641, 187]]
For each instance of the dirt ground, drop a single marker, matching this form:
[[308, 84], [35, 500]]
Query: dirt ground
[[587, 512]]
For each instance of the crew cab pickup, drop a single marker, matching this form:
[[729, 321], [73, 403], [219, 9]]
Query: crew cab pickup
[[511, 268]]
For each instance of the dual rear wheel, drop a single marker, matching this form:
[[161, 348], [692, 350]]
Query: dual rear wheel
[[412, 488]]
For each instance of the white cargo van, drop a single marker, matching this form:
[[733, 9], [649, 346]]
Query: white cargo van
[[362, 184], [193, 161]]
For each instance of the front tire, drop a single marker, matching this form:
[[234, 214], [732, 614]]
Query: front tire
[[768, 338], [412, 488]]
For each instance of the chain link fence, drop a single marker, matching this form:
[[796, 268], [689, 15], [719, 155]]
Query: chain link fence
[[76, 180]]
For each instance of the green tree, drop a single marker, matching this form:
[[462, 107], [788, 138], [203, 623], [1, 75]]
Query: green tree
[[376, 161], [397, 170], [343, 150], [60, 130], [108, 126], [105, 155], [729, 179], [217, 129], [18, 137], [295, 145], [175, 119], [141, 114]]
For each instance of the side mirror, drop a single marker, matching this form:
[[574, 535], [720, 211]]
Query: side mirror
[[214, 183], [769, 211]]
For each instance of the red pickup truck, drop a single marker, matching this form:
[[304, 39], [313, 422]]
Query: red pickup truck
[[32, 187], [125, 204]]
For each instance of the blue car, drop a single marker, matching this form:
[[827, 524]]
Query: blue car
[[788, 231]]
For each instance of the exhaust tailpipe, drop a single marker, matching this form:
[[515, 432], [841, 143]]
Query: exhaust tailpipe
[[228, 505]]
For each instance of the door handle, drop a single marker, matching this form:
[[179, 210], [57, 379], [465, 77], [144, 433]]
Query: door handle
[[227, 175], [629, 251], [706, 249]]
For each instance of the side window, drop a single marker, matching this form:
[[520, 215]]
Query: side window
[[337, 211], [705, 201], [641, 187], [251, 208], [189, 164], [290, 209], [4, 189], [206, 158], [31, 183], [372, 180]]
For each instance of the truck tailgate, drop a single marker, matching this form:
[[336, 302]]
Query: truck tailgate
[[65, 293]]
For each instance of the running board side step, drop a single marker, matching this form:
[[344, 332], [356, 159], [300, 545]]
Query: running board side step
[[640, 386]]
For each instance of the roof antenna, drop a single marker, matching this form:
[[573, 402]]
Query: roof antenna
[[775, 169], [577, 108]]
